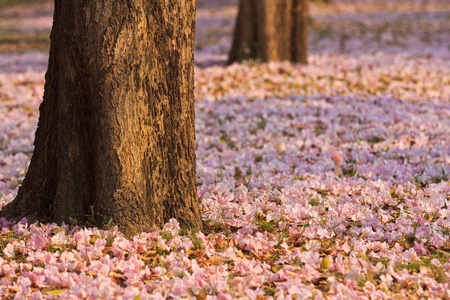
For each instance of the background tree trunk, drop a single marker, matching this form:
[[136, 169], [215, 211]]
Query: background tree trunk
[[115, 137], [272, 30]]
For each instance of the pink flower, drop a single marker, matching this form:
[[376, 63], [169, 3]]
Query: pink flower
[[38, 242], [117, 252], [436, 262], [162, 244], [173, 227], [37, 296], [409, 255], [386, 279], [59, 238], [39, 281], [24, 281], [309, 272], [9, 250], [420, 248], [81, 238], [438, 240]]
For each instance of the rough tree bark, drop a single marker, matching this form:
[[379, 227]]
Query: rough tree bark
[[272, 30], [115, 137]]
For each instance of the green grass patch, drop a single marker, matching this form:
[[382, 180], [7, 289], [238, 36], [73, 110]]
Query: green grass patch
[[375, 140], [19, 41], [263, 225]]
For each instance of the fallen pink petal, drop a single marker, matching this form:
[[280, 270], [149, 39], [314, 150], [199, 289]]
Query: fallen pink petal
[[329, 180]]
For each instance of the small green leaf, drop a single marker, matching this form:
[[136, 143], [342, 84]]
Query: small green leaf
[[325, 264], [55, 292], [276, 268], [57, 230]]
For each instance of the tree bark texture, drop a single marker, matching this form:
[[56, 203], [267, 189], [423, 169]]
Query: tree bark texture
[[115, 137], [272, 30]]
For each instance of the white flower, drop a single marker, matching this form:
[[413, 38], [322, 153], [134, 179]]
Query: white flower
[[9, 251]]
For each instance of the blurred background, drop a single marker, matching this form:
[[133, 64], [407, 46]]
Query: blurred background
[[357, 27]]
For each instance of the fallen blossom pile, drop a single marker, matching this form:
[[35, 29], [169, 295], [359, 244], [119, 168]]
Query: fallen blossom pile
[[324, 181]]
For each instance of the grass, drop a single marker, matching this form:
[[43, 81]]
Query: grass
[[18, 41], [14, 39]]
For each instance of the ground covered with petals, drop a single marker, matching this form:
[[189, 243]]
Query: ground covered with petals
[[329, 180]]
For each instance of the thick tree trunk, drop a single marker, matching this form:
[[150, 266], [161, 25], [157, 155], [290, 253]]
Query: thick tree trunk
[[115, 138], [272, 30]]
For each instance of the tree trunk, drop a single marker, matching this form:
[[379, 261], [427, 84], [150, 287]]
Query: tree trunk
[[115, 137], [272, 30]]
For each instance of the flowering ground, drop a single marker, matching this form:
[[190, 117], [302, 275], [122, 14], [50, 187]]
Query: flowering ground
[[323, 181]]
